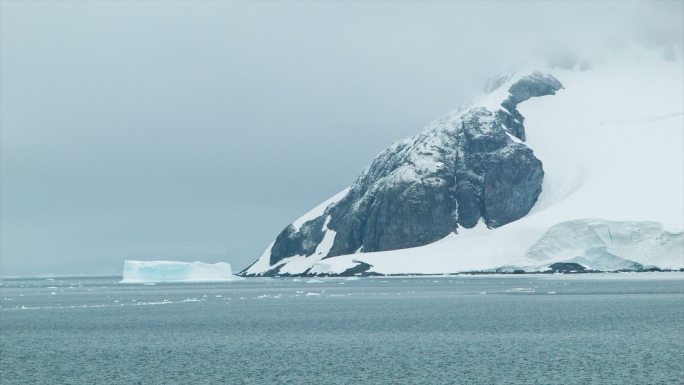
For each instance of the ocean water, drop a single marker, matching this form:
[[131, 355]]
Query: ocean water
[[526, 329]]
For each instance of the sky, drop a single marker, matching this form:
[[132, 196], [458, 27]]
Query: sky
[[199, 130]]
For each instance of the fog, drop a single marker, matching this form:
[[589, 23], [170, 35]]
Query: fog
[[198, 130]]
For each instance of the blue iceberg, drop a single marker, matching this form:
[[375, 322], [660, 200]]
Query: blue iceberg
[[170, 271]]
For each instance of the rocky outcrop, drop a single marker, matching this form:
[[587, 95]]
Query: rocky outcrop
[[470, 167], [419, 191], [534, 85], [566, 268], [298, 242]]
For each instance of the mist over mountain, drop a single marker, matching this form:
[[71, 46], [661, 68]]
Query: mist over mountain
[[168, 131]]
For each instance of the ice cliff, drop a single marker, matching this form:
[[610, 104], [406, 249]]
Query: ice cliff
[[169, 271]]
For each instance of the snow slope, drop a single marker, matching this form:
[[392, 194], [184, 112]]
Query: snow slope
[[612, 148], [169, 271], [318, 210]]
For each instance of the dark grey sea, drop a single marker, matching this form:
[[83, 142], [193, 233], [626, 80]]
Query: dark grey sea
[[515, 329]]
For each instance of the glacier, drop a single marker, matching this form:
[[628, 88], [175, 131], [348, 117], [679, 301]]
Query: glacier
[[609, 245], [171, 271], [612, 194]]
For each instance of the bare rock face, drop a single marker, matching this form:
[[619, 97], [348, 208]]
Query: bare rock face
[[469, 167], [298, 242], [534, 85]]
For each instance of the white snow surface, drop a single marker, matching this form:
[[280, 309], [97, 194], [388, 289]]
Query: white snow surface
[[170, 271], [319, 210], [612, 147]]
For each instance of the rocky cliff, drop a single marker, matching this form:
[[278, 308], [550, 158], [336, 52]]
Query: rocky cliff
[[469, 167]]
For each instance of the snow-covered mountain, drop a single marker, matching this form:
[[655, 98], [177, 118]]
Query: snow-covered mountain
[[580, 165]]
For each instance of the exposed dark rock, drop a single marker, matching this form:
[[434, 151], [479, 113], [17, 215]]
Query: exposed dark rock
[[303, 242], [567, 267], [274, 272], [534, 85], [360, 269], [470, 172], [652, 269], [511, 186]]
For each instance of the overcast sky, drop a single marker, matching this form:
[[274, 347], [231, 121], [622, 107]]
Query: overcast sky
[[197, 131]]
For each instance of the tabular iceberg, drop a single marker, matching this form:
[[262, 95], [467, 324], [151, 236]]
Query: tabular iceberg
[[170, 271]]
